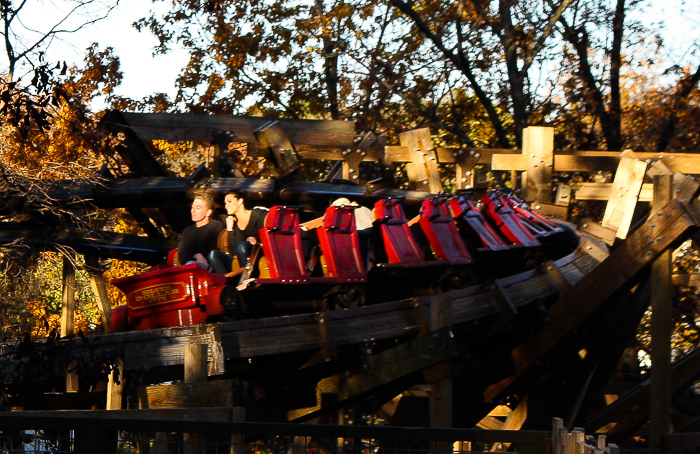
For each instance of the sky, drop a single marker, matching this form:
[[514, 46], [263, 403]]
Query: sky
[[144, 74]]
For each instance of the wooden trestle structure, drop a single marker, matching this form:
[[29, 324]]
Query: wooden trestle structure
[[510, 353]]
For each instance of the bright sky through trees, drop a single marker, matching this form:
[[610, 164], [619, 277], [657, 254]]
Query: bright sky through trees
[[145, 74]]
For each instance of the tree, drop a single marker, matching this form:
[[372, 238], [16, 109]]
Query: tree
[[403, 64], [25, 97]]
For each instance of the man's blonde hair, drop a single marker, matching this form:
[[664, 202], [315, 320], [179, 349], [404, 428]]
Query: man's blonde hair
[[205, 197]]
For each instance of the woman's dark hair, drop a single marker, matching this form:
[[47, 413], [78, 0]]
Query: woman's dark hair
[[237, 193]]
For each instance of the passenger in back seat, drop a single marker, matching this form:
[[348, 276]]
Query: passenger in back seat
[[363, 223], [242, 225]]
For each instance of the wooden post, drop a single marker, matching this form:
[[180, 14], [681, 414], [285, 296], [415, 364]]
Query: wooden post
[[661, 328], [68, 307], [465, 160], [99, 289], [441, 389], [195, 372], [271, 136], [237, 440], [423, 172], [538, 148], [115, 387], [624, 195]]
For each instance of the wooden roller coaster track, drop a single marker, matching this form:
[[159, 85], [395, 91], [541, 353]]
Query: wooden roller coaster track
[[544, 342]]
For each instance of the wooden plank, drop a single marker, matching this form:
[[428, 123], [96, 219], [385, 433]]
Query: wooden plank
[[370, 153], [131, 414], [602, 191], [201, 127], [538, 146], [563, 194], [560, 212], [605, 234], [594, 161], [675, 221], [509, 162], [447, 155], [217, 393], [558, 436], [591, 164], [506, 308], [661, 327], [625, 193], [424, 172], [557, 276], [685, 187]]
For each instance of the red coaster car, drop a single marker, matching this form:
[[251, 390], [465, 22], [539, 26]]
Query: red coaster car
[[172, 296]]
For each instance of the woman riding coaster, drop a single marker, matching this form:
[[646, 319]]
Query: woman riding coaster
[[242, 226]]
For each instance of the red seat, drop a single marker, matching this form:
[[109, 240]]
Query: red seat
[[474, 226], [399, 243], [501, 213], [440, 230], [340, 245], [281, 242]]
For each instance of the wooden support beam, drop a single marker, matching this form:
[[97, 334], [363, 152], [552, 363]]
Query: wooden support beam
[[410, 357], [622, 411], [99, 289], [68, 301], [538, 149], [68, 317], [661, 328], [506, 309], [557, 276], [441, 389], [423, 174], [201, 128], [354, 156], [674, 222], [514, 421], [329, 349]]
